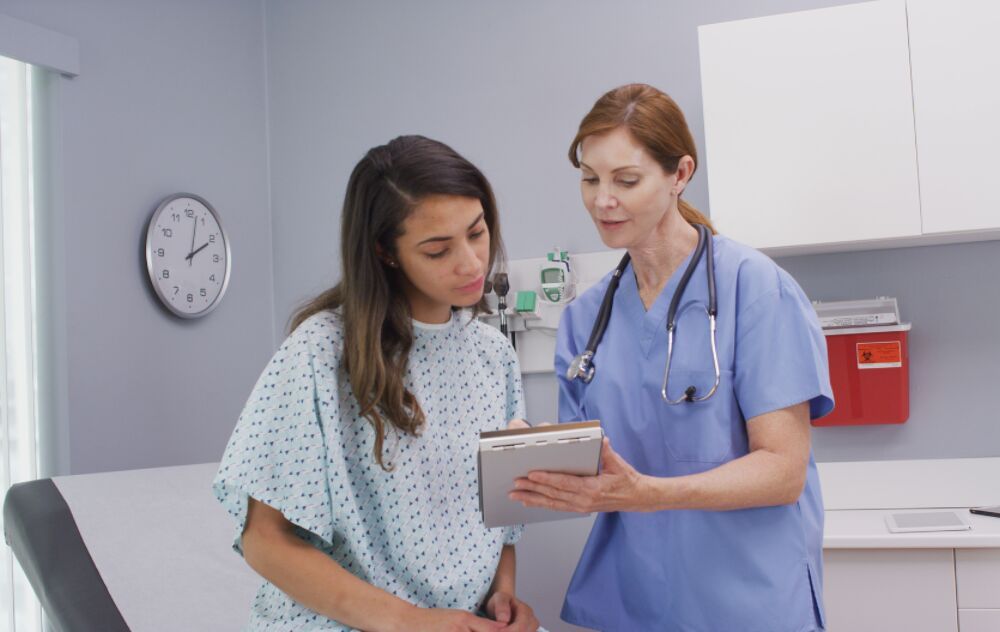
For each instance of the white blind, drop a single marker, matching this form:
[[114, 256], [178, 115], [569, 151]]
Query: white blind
[[19, 610]]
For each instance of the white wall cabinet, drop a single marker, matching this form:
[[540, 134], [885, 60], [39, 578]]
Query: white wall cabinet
[[955, 57], [937, 590], [824, 128], [874, 590]]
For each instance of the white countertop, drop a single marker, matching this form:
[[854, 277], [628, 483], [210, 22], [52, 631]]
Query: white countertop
[[859, 495], [865, 529]]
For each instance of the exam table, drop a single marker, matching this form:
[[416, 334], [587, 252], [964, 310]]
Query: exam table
[[141, 551]]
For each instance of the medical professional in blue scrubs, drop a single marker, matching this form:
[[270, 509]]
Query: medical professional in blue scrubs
[[711, 518]]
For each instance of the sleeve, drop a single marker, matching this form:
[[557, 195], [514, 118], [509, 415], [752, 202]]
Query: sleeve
[[277, 452], [781, 357], [570, 391]]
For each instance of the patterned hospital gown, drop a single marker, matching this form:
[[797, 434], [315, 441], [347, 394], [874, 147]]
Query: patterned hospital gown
[[301, 447]]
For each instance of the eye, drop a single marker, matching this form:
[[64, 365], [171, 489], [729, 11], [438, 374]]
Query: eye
[[437, 255], [629, 183], [591, 180], [477, 234]]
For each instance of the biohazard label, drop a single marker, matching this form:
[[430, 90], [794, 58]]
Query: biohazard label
[[880, 355]]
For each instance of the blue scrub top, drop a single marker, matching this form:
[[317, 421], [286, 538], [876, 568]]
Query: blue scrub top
[[708, 571]]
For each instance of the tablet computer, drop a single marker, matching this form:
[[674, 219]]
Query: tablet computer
[[926, 521], [504, 455]]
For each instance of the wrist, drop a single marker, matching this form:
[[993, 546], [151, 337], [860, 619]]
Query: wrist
[[655, 493], [400, 617]]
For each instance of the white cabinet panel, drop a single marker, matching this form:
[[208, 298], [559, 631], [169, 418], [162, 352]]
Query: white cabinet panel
[[878, 590], [979, 620], [809, 126], [955, 57], [978, 576]]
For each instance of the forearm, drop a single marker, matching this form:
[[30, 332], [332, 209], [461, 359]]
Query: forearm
[[759, 479], [503, 580], [311, 578]]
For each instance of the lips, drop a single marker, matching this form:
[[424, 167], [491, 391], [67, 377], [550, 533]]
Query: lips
[[474, 286], [611, 224]]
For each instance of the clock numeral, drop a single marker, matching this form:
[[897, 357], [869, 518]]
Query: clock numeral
[[211, 238], [168, 232], [215, 258], [160, 252], [202, 221], [212, 278], [203, 292], [189, 212], [176, 290], [176, 217], [166, 274], [190, 298]]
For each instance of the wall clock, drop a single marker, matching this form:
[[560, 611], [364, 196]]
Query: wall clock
[[187, 255]]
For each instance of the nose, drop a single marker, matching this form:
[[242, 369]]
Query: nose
[[604, 199], [467, 263]]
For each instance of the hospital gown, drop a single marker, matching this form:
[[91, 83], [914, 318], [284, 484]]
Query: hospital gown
[[301, 447]]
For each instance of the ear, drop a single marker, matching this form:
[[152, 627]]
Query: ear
[[685, 169], [384, 257]]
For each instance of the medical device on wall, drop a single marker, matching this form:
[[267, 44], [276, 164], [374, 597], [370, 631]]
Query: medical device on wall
[[530, 315], [558, 284], [501, 286], [582, 366], [867, 349]]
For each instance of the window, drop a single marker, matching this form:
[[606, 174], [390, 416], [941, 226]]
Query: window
[[19, 610]]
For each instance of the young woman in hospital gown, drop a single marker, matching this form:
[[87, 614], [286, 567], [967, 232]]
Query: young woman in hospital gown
[[710, 517], [352, 469]]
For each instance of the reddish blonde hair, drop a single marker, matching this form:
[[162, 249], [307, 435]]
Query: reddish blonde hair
[[655, 121]]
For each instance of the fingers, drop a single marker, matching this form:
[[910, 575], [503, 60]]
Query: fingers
[[517, 423], [563, 482], [502, 606], [479, 624], [524, 619], [531, 499], [554, 492]]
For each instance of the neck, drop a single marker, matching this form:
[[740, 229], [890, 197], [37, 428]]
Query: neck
[[658, 256], [426, 310]]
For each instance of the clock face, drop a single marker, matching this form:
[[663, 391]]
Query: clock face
[[187, 255]]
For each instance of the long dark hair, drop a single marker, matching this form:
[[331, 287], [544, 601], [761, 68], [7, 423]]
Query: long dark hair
[[653, 119], [384, 188]]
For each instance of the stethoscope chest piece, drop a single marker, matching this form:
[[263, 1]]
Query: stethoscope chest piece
[[581, 368]]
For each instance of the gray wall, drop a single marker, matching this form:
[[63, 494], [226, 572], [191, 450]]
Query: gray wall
[[506, 84], [171, 97]]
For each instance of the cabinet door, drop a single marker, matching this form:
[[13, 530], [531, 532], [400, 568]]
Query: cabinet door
[[955, 57], [874, 590], [809, 126]]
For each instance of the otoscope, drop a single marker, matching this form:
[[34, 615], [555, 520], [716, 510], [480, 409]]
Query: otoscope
[[501, 286]]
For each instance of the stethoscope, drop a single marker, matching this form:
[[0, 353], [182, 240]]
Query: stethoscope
[[581, 366]]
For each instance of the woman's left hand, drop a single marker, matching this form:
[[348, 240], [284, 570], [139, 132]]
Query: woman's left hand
[[618, 487], [506, 608]]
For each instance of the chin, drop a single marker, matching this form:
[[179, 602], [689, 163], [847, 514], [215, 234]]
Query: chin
[[465, 300], [615, 241]]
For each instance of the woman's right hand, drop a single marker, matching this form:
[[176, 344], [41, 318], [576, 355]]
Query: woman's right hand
[[444, 620], [517, 423]]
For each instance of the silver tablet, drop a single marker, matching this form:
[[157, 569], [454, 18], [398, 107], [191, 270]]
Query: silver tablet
[[926, 521], [504, 455]]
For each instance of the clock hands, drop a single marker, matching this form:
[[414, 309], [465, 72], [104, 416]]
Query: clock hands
[[190, 256], [194, 231]]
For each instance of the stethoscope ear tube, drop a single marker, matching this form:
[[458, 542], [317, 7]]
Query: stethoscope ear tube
[[704, 247], [581, 366]]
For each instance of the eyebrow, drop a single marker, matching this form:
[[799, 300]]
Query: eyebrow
[[433, 239], [583, 164]]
